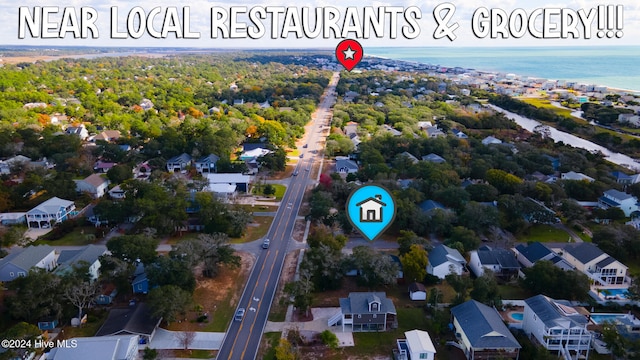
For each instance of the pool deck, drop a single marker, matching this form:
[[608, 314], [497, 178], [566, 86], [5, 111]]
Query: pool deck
[[506, 315]]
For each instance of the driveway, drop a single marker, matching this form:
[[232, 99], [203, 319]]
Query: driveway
[[165, 339]]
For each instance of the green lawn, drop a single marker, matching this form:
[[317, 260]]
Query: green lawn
[[543, 233], [254, 232], [79, 236], [280, 189], [369, 344], [510, 292]]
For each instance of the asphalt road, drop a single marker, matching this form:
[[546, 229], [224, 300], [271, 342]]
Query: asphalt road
[[243, 337]]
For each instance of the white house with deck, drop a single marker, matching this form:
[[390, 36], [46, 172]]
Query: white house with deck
[[54, 209], [417, 344]]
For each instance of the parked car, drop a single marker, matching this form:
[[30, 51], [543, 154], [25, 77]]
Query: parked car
[[239, 314]]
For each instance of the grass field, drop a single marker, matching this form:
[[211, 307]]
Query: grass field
[[79, 236], [543, 233], [254, 232], [546, 104], [280, 189], [510, 292]]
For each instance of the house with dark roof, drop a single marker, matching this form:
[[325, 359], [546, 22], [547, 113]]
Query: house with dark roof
[[345, 165], [444, 260], [434, 158], [481, 333], [431, 205], [207, 164], [604, 270], [133, 320], [140, 283], [417, 291], [501, 262], [528, 255], [459, 134], [179, 163], [557, 326], [79, 131], [366, 311], [20, 261], [624, 179], [94, 184], [89, 255], [614, 198]]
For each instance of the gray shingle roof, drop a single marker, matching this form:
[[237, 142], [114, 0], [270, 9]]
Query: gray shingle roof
[[608, 260], [555, 313], [584, 252], [89, 253], [28, 257], [534, 251], [442, 253], [618, 195], [502, 257], [358, 303], [182, 158], [483, 326]]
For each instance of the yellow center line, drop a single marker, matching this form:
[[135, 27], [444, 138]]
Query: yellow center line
[[297, 192]]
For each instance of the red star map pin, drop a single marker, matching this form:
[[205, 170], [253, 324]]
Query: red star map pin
[[349, 53]]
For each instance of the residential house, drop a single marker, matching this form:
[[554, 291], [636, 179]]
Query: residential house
[[53, 210], [501, 262], [481, 332], [434, 132], [416, 345], [345, 166], [434, 158], [207, 164], [107, 294], [624, 179], [528, 255], [631, 119], [614, 198], [596, 264], [121, 347], [417, 291], [391, 130], [459, 134], [371, 209], [557, 326], [94, 184], [79, 131], [428, 206], [572, 175], [554, 161], [108, 136], [491, 140], [219, 183], [444, 260], [366, 311], [117, 192], [87, 255], [140, 283], [103, 166], [133, 320], [410, 157], [16, 218], [146, 104], [179, 163], [142, 171], [423, 125], [21, 260]]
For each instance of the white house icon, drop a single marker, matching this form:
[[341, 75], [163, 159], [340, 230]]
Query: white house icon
[[371, 209]]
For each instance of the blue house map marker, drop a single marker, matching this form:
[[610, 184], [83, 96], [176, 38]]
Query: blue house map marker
[[371, 210]]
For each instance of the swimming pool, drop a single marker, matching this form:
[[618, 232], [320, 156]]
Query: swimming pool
[[600, 318], [517, 316], [613, 294]]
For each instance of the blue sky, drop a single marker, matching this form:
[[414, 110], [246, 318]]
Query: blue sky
[[200, 22]]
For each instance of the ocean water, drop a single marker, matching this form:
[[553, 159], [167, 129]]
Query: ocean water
[[612, 66]]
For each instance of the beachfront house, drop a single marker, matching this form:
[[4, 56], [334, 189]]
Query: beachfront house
[[481, 333], [557, 326], [604, 270]]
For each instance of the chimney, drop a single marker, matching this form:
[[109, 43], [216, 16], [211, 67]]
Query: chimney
[[378, 196]]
